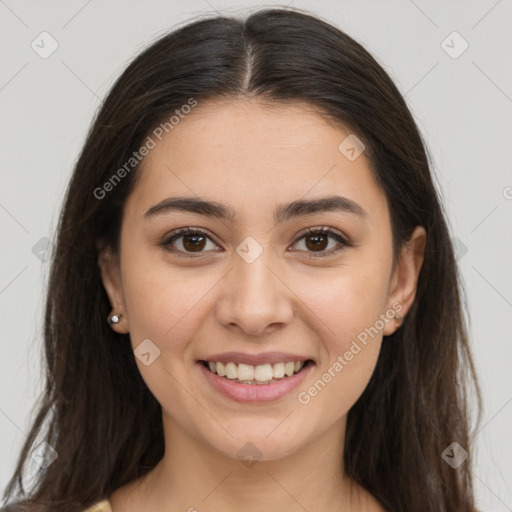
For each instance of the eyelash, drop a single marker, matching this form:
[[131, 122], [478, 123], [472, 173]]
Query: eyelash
[[175, 235]]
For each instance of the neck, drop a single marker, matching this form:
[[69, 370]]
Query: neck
[[192, 477]]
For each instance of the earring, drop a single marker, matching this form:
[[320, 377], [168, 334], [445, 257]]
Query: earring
[[399, 319], [114, 319]]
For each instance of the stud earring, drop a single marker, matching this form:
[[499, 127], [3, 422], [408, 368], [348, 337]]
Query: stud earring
[[114, 319], [399, 319]]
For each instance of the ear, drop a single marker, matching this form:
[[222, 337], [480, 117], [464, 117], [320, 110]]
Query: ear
[[108, 262], [404, 279]]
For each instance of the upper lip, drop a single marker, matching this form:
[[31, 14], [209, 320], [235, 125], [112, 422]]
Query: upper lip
[[254, 359]]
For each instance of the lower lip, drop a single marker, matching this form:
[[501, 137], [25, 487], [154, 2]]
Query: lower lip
[[254, 392]]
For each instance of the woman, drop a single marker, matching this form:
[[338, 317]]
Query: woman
[[254, 301]]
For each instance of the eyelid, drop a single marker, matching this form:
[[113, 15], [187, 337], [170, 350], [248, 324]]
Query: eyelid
[[342, 240], [180, 232], [322, 230]]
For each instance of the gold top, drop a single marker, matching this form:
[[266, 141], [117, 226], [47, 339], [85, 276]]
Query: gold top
[[101, 506]]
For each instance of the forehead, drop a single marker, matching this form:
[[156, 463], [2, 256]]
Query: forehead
[[251, 131], [250, 154]]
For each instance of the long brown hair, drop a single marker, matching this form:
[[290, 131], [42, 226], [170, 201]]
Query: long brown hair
[[417, 401]]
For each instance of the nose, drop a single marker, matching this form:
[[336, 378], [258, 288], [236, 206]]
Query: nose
[[254, 297]]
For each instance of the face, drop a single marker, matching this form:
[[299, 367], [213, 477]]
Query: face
[[264, 281]]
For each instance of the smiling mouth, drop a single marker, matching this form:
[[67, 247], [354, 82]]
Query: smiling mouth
[[260, 374]]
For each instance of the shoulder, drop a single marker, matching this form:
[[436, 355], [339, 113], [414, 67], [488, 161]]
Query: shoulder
[[101, 506], [28, 506]]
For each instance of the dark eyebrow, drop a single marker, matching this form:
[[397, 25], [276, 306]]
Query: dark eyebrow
[[282, 213]]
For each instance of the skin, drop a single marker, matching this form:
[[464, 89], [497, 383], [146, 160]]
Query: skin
[[253, 156]]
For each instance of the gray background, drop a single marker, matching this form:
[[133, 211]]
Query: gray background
[[463, 107]]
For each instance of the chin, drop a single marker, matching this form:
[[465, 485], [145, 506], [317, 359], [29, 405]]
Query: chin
[[258, 446]]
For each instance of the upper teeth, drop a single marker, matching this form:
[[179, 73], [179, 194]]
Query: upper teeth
[[262, 372]]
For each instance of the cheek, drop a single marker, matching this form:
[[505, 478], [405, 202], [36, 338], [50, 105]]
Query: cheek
[[346, 301], [165, 304], [348, 307]]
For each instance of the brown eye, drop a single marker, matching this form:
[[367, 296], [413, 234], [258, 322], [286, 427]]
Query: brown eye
[[316, 242], [186, 242], [193, 242]]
